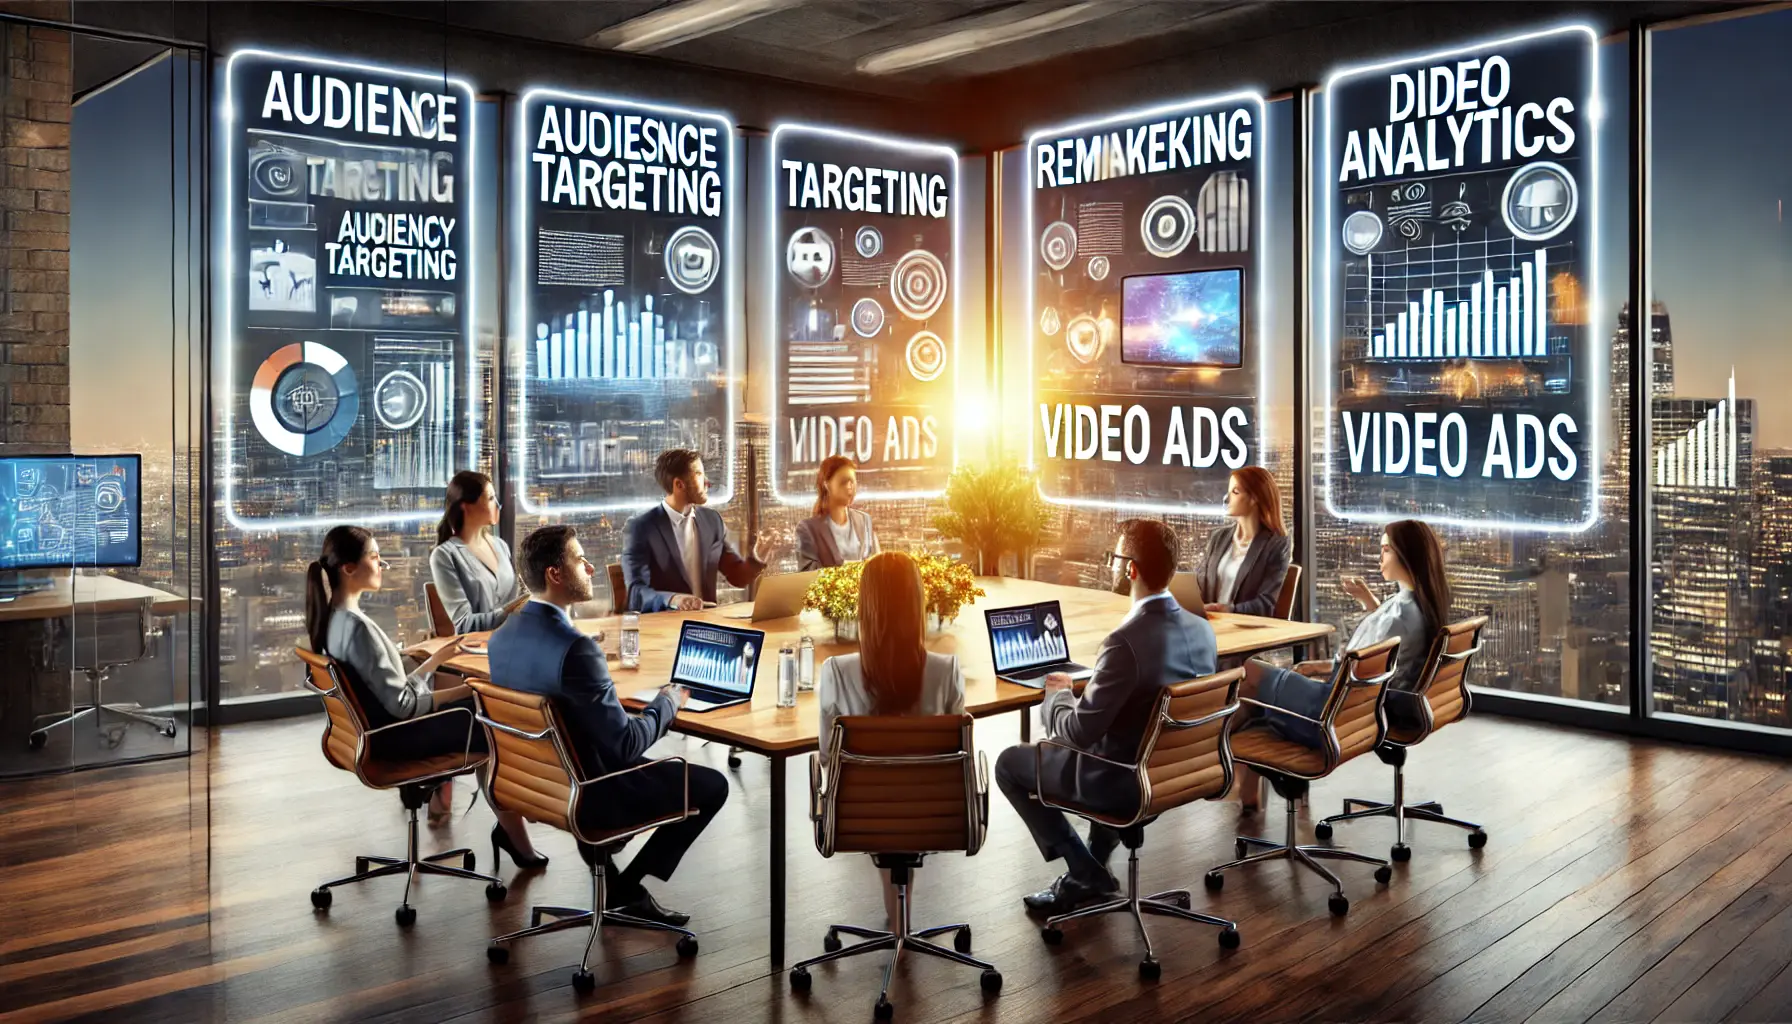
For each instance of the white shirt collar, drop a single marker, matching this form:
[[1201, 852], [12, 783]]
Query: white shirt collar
[[1139, 605], [563, 613], [679, 518]]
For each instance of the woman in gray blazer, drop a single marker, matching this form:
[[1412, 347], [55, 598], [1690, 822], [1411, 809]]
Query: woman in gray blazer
[[837, 533], [1245, 563], [472, 569]]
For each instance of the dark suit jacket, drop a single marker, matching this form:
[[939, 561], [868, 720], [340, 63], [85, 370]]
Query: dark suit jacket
[[1259, 578], [1158, 646], [654, 570]]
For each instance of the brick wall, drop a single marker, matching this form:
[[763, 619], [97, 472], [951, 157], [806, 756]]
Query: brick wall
[[34, 202]]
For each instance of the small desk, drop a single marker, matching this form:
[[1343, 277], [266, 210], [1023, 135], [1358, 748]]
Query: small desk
[[88, 595], [778, 733]]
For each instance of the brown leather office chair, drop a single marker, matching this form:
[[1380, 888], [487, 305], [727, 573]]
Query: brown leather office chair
[[618, 588], [1351, 723], [1184, 757], [1442, 697], [536, 773], [899, 788], [348, 744], [438, 612], [1285, 598]]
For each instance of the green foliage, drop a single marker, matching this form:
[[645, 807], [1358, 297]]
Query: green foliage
[[993, 508]]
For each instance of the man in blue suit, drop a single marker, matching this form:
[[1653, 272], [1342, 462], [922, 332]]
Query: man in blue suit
[[1157, 645], [539, 650], [672, 552]]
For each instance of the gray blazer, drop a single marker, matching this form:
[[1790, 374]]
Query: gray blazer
[[815, 540], [1260, 578], [474, 596], [358, 642]]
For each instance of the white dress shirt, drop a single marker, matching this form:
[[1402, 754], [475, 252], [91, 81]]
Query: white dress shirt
[[1230, 563], [690, 547], [847, 541]]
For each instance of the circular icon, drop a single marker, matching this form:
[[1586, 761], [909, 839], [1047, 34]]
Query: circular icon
[[304, 399], [809, 257], [918, 284], [1168, 226], [868, 242], [692, 259], [867, 317], [1098, 268], [1362, 231], [1540, 201], [108, 494], [1048, 321], [276, 174], [1082, 336], [1057, 245], [926, 356], [400, 399]]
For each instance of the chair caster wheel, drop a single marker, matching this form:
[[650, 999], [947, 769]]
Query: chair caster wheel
[[1214, 881], [1150, 970], [1322, 831], [961, 940], [799, 979], [1181, 899], [1240, 848], [1052, 936], [1229, 938], [468, 861], [496, 892], [36, 740], [687, 947], [168, 732], [884, 1009], [992, 981], [1383, 874], [584, 981], [1338, 905], [360, 865], [321, 898], [830, 943], [406, 916], [498, 955], [1401, 853], [1477, 839], [733, 761]]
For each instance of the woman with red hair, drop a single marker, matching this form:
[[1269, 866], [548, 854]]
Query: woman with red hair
[[1245, 562], [836, 533]]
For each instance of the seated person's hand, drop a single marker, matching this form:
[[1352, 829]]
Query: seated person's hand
[[1215, 606], [1315, 669], [1358, 589], [765, 550], [1057, 681], [687, 603], [678, 694]]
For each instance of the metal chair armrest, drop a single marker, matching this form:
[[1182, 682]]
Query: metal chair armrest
[[580, 785], [1280, 711], [424, 718], [983, 789], [514, 731], [1462, 655], [1039, 773], [1215, 716], [817, 787]]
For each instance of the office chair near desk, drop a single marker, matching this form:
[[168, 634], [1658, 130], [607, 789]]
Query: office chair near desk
[[537, 774], [119, 639], [1184, 757], [899, 788], [348, 743]]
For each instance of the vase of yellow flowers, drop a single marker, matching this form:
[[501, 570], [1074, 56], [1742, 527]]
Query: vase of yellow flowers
[[835, 594], [949, 585]]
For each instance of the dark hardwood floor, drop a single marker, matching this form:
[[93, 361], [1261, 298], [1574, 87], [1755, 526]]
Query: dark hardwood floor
[[1623, 881]]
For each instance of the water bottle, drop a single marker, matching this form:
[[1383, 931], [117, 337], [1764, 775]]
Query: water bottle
[[786, 678], [631, 639], [805, 663]]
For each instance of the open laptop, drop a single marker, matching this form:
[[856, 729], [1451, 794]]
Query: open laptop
[[779, 597], [716, 663], [1028, 644], [1185, 587]]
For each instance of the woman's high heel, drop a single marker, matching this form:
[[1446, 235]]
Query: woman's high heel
[[501, 841]]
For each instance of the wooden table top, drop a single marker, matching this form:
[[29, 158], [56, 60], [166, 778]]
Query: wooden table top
[[90, 594], [763, 727]]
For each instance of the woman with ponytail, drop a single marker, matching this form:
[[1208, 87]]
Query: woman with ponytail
[[471, 566], [349, 566]]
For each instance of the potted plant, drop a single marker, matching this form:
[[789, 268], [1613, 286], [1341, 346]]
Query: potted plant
[[993, 508], [949, 585], [835, 594]]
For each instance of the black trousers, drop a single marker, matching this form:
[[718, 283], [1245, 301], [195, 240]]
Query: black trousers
[[419, 739], [652, 793], [1017, 776]]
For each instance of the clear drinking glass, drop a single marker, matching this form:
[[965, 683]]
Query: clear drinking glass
[[805, 663], [631, 640], [786, 678]]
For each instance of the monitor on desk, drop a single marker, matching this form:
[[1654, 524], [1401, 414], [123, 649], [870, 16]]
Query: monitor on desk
[[70, 511]]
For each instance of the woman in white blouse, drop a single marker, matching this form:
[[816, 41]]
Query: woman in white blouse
[[894, 673], [837, 533]]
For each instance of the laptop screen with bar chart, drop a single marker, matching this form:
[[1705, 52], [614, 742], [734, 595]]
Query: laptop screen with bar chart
[[1027, 636], [720, 661]]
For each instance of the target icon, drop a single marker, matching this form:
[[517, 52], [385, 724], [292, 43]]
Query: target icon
[[867, 317], [918, 284], [1168, 226], [1057, 245], [1082, 336], [304, 399], [400, 399], [1098, 268], [926, 356], [692, 259], [868, 242]]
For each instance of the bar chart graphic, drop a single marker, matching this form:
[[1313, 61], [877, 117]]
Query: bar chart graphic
[[1501, 314], [1018, 647], [606, 340], [1705, 455], [718, 667]]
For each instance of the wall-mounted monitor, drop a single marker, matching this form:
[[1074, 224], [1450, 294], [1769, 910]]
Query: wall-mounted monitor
[[70, 511], [1193, 319]]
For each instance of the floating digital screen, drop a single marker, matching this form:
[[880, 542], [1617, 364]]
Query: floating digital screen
[[863, 239], [69, 511], [1145, 260], [1460, 245], [625, 227], [349, 226]]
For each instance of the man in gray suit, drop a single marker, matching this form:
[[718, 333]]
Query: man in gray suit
[[1158, 645]]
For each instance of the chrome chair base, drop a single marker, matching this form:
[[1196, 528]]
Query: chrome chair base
[[1401, 811], [1170, 903], [411, 866], [163, 724], [1308, 857], [560, 918]]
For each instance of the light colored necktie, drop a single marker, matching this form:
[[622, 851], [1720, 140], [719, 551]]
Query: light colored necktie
[[693, 558]]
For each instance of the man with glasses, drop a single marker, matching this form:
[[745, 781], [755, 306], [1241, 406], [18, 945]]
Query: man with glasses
[[1157, 645]]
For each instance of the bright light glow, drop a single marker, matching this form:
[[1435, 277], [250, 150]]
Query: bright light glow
[[233, 154], [774, 249], [1260, 257], [997, 31], [1596, 353], [731, 256], [682, 22]]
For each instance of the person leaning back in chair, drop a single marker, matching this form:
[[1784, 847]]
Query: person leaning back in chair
[[1158, 644], [672, 552]]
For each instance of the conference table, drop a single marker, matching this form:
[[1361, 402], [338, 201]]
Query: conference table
[[90, 595], [763, 728]]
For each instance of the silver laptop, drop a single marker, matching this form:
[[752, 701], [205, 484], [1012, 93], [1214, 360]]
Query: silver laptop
[[718, 664], [1028, 643], [779, 597]]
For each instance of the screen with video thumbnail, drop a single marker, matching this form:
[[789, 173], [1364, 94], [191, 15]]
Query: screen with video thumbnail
[[65, 511], [1027, 636], [717, 657], [1191, 319]]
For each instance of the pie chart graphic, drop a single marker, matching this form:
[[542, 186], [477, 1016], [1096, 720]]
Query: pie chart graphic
[[304, 399]]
